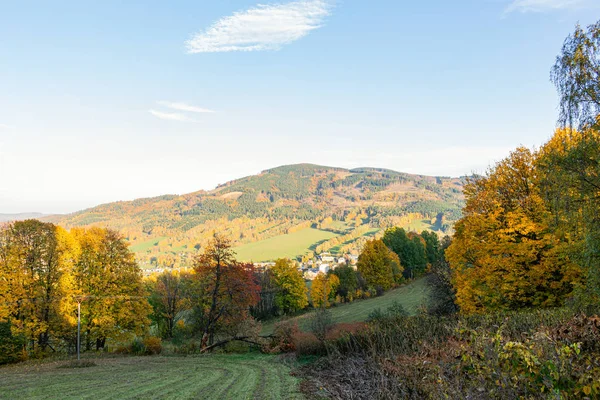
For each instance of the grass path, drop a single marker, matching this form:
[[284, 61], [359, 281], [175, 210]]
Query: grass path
[[247, 376], [411, 296]]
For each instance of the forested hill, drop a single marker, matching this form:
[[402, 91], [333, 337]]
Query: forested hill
[[280, 201]]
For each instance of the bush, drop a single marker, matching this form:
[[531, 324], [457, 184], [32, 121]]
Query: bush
[[320, 323], [542, 354], [187, 348], [10, 346], [153, 345], [283, 337], [307, 344], [137, 347]]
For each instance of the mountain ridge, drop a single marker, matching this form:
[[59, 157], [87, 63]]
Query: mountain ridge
[[278, 201]]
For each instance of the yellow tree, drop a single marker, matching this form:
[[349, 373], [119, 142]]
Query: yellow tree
[[292, 294], [36, 259], [379, 265], [323, 289], [503, 255], [114, 303], [569, 166]]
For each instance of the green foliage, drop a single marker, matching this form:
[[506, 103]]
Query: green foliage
[[411, 249], [348, 282], [10, 346], [292, 294]]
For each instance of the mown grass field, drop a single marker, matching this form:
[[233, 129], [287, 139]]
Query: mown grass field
[[147, 245], [248, 376], [290, 245], [410, 296]]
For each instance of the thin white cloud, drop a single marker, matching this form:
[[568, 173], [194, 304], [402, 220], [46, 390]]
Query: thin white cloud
[[171, 116], [264, 27], [184, 107], [524, 6], [5, 127]]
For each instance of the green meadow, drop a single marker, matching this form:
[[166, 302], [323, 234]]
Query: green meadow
[[289, 245]]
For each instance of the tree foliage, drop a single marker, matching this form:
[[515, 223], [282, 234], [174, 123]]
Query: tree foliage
[[504, 255], [226, 290], [45, 271], [377, 265], [576, 75], [292, 294], [114, 303], [323, 290]]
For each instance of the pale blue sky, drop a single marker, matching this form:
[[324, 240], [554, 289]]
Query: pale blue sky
[[106, 101]]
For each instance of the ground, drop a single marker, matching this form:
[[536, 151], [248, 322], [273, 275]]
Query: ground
[[246, 376], [410, 296]]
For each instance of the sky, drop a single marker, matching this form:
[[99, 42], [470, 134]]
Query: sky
[[113, 100]]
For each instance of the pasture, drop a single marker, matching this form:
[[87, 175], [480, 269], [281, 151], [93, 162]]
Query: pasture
[[234, 376], [410, 296], [282, 246]]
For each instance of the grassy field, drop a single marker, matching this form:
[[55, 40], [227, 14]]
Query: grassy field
[[411, 296], [290, 245], [148, 244], [248, 376]]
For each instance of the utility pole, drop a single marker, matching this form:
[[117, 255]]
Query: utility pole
[[78, 328]]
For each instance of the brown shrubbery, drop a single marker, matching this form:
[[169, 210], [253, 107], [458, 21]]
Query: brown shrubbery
[[530, 354]]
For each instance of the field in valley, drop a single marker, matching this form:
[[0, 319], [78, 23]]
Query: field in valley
[[410, 296], [247, 376], [290, 245]]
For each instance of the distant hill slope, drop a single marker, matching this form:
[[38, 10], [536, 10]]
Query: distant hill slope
[[164, 230], [20, 216]]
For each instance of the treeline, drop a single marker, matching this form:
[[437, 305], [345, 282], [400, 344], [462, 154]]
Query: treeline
[[46, 271]]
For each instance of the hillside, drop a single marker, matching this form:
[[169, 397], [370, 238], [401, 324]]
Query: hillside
[[20, 216], [347, 204]]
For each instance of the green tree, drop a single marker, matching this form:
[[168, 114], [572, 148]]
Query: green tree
[[409, 247], [292, 294], [348, 281], [576, 75]]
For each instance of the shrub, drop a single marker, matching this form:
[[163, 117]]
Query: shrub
[[187, 348], [544, 354], [122, 349], [137, 347], [307, 344], [10, 346], [320, 323], [344, 329], [283, 337], [152, 345]]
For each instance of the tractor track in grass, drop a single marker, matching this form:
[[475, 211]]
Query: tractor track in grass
[[247, 376]]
